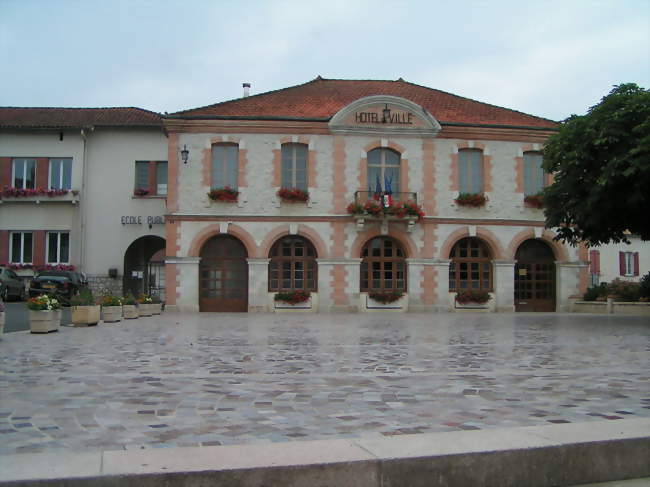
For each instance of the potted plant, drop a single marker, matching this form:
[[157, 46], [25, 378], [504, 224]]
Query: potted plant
[[475, 200], [292, 298], [2, 317], [156, 304], [386, 297], [225, 194], [472, 298], [407, 209], [373, 208], [129, 307], [85, 311], [111, 308], [144, 305], [293, 195], [140, 192], [44, 314]]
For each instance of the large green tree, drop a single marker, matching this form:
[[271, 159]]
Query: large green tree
[[601, 167]]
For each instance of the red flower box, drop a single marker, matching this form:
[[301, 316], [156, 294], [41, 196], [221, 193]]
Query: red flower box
[[294, 297], [465, 297], [12, 192], [386, 297], [293, 195], [226, 194], [475, 200], [534, 201]]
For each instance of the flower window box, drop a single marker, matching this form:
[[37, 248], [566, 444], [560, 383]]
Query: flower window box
[[293, 195], [224, 195], [534, 201], [472, 300], [474, 200], [385, 300], [292, 300]]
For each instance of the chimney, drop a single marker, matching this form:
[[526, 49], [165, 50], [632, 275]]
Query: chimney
[[247, 89]]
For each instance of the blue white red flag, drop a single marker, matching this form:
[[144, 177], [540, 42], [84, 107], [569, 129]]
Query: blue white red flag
[[377, 195], [388, 190]]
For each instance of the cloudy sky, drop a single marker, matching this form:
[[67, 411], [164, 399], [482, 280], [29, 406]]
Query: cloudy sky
[[548, 58]]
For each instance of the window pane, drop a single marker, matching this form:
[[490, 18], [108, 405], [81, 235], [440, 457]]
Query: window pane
[[142, 175], [55, 174], [161, 178], [30, 174], [64, 247], [232, 165], [66, 176], [52, 246], [533, 173], [15, 247], [19, 170]]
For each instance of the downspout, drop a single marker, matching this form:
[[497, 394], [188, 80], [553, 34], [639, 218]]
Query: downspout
[[83, 199]]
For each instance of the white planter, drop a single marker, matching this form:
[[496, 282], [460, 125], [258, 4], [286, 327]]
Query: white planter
[[285, 305], [372, 304], [44, 321], [111, 314], [130, 312], [156, 308], [85, 315], [144, 309]]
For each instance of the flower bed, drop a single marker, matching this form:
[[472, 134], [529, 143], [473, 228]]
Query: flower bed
[[475, 200], [534, 200], [386, 297], [467, 297], [225, 194], [294, 297], [48, 267], [11, 192], [293, 195]]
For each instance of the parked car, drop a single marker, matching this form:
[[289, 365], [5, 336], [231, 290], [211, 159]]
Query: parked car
[[11, 285], [63, 284]]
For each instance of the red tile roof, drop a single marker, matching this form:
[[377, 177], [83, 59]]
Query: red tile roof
[[20, 117], [322, 98]]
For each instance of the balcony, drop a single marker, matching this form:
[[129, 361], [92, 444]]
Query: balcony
[[385, 208]]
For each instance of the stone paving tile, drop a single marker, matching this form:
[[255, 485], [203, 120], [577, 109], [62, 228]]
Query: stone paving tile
[[219, 379]]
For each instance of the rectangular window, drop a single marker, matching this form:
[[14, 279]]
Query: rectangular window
[[151, 177], [21, 248], [629, 263], [61, 173], [294, 166], [58, 247], [534, 180], [470, 171], [24, 173], [225, 165]]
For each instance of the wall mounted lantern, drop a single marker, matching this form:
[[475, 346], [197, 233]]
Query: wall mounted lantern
[[185, 154]]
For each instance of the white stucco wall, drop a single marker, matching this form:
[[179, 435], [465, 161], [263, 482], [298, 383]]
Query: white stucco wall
[[609, 259]]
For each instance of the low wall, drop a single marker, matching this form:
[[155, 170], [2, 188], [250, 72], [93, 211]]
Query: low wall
[[611, 307], [532, 456], [101, 285]]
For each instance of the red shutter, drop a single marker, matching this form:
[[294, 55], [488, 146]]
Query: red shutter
[[153, 187], [621, 262], [5, 172], [594, 257], [42, 172], [38, 257], [4, 247], [636, 263]]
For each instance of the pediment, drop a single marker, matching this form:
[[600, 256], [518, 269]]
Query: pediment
[[368, 116]]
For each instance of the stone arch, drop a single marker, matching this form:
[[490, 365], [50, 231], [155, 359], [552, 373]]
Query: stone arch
[[559, 250], [303, 231], [406, 241], [215, 229], [493, 243], [376, 144]]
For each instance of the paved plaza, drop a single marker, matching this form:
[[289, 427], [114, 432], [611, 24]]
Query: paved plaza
[[219, 379]]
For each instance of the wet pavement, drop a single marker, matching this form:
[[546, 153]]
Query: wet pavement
[[211, 379]]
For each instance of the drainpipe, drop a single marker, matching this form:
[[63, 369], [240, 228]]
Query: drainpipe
[[83, 198]]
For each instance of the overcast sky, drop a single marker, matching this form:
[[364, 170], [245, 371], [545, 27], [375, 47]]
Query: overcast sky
[[547, 58]]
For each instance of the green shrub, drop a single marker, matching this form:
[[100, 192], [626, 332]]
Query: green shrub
[[595, 292], [644, 287], [624, 290], [84, 298]]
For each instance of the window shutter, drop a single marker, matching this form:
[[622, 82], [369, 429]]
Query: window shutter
[[594, 257], [621, 263], [636, 263]]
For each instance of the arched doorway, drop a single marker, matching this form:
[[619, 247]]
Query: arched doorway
[[223, 275], [144, 266], [534, 277], [383, 266]]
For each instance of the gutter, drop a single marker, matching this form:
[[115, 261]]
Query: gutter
[[83, 198]]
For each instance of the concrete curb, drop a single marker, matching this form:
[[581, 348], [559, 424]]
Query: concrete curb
[[541, 456]]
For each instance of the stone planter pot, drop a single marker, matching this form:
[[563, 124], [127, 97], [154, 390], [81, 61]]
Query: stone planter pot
[[2, 322], [112, 314], [156, 308], [85, 315], [44, 321], [144, 309], [130, 311]]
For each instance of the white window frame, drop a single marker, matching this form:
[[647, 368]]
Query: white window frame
[[49, 172], [629, 264], [22, 248], [13, 171], [58, 247]]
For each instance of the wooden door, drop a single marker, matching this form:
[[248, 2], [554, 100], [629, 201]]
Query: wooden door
[[223, 275], [534, 277]]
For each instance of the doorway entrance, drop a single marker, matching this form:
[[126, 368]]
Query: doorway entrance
[[144, 267], [534, 277], [223, 275]]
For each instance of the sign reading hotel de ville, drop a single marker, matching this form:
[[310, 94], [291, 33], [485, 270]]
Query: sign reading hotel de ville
[[382, 114]]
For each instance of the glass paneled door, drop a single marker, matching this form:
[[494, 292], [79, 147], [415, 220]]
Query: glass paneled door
[[534, 277], [223, 275]]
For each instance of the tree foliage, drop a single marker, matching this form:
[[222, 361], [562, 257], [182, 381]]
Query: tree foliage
[[601, 167]]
